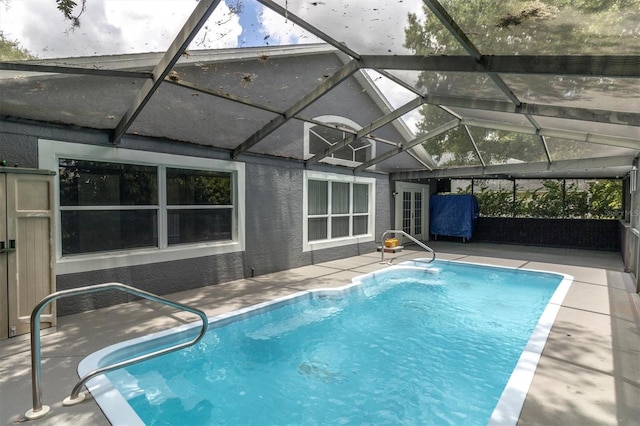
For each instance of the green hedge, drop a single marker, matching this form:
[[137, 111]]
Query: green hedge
[[554, 198]]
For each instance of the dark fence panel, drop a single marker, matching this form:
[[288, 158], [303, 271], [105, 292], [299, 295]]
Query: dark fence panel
[[591, 234]]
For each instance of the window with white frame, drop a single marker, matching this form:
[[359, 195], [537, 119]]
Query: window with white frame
[[121, 207], [115, 206], [339, 209], [319, 137], [199, 206], [107, 206]]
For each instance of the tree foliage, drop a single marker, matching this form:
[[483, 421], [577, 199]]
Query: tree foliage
[[527, 27], [494, 202], [12, 51], [517, 28], [554, 198], [71, 11], [606, 198]]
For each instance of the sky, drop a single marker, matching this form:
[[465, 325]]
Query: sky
[[134, 26], [110, 27]]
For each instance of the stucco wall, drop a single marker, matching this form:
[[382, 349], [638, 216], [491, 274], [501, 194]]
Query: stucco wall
[[273, 218], [274, 215], [18, 150], [159, 278]]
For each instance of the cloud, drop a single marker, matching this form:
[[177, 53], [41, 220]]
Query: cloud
[[282, 31], [366, 26], [112, 27], [221, 30]]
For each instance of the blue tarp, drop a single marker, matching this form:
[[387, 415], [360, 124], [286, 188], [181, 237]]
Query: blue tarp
[[453, 215]]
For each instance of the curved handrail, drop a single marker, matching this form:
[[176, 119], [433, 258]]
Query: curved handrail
[[38, 409], [395, 231]]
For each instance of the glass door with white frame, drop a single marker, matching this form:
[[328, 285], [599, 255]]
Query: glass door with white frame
[[412, 209]]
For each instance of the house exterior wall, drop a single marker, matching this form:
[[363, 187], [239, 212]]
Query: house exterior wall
[[273, 220], [19, 150]]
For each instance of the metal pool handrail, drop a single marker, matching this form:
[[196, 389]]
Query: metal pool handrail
[[76, 397], [424, 246]]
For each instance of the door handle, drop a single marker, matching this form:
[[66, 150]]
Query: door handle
[[11, 248]]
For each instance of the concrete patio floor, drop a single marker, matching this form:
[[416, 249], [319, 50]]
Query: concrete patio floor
[[589, 372]]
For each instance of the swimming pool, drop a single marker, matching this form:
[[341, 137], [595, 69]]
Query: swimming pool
[[454, 343]]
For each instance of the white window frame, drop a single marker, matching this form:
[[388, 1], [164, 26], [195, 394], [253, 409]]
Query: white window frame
[[334, 119], [342, 241], [49, 153]]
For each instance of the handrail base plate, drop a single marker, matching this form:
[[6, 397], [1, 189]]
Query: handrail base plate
[[68, 401], [32, 415]]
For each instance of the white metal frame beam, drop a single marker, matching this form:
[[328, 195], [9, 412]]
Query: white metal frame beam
[[579, 168], [575, 135], [553, 111], [58, 69], [328, 84], [308, 27], [198, 18], [585, 66], [451, 25], [403, 147]]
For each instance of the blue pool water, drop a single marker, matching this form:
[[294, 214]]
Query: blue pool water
[[404, 346]]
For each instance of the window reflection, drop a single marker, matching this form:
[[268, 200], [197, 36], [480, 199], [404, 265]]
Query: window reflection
[[96, 183]]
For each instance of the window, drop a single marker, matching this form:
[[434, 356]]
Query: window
[[111, 206], [318, 138], [107, 206], [199, 206], [339, 210], [120, 207]]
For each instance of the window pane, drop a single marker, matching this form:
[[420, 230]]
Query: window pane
[[191, 226], [317, 229], [317, 197], [95, 183], [417, 212], [322, 137], [360, 198], [316, 143], [92, 231], [339, 227], [344, 153], [363, 154], [356, 151], [406, 212], [198, 187], [339, 198], [360, 225]]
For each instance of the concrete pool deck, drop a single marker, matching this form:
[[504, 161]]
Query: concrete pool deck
[[589, 372]]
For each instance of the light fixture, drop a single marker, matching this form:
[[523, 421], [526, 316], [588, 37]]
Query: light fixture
[[633, 179]]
